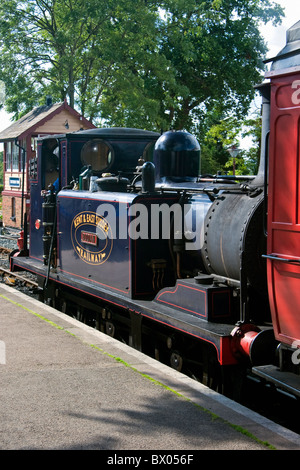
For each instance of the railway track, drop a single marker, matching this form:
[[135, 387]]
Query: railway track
[[14, 279], [265, 399]]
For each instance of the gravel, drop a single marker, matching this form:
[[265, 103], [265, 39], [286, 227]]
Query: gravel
[[10, 243]]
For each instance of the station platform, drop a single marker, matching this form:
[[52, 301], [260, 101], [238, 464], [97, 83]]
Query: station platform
[[66, 386]]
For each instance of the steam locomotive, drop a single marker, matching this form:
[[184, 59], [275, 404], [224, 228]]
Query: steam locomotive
[[201, 272]]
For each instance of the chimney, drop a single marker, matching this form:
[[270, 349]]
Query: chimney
[[49, 100]]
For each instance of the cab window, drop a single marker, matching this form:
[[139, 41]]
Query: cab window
[[50, 163], [98, 154]]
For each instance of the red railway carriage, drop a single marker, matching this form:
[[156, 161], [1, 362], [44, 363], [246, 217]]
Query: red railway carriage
[[283, 208], [283, 240]]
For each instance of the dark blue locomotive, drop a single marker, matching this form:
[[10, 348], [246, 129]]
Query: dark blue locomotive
[[124, 231], [125, 234]]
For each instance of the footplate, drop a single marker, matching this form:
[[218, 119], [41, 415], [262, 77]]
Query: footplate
[[284, 380]]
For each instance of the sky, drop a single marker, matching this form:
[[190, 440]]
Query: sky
[[274, 36]]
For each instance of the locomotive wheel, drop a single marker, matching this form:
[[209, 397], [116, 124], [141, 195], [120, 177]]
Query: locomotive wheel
[[63, 306], [110, 329], [176, 361]]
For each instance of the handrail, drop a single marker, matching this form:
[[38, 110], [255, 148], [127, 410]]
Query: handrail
[[284, 260]]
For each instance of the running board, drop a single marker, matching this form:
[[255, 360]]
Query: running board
[[283, 380]]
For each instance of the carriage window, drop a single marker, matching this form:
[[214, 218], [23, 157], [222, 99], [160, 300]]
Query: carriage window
[[96, 153]]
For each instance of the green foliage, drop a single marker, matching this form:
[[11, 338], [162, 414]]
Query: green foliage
[[76, 49], [252, 128], [215, 52], [150, 64], [220, 134]]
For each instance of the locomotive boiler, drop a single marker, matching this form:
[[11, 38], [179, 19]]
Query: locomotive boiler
[[199, 272]]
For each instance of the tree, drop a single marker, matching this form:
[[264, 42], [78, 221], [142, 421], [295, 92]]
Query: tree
[[152, 64], [212, 51], [222, 133], [70, 48], [219, 133], [216, 52]]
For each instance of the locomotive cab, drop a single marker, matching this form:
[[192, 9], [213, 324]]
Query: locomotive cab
[[74, 160]]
